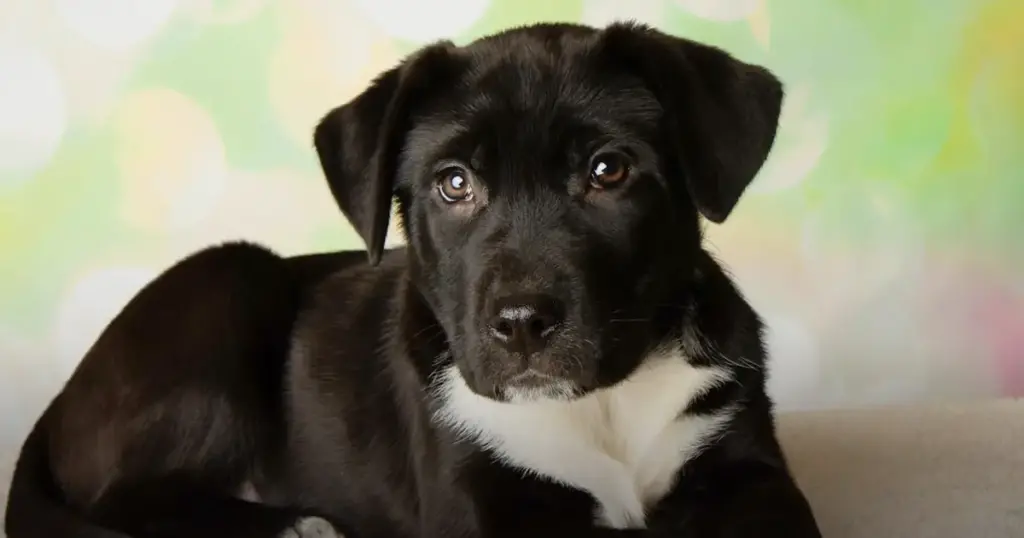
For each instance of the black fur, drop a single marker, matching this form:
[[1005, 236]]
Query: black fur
[[311, 377]]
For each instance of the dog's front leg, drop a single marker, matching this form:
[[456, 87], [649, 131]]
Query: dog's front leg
[[748, 500]]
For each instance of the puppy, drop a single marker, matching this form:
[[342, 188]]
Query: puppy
[[553, 354]]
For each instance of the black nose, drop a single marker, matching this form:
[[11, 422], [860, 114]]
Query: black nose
[[523, 323]]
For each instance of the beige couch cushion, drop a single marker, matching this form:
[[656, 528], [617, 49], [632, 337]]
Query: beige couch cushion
[[955, 471]]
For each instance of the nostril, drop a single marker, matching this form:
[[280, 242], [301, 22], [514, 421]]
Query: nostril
[[537, 326], [540, 326], [524, 322], [504, 329]]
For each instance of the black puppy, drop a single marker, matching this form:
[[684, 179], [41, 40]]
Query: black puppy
[[553, 355]]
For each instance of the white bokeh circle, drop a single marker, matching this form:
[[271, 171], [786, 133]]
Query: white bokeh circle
[[721, 10], [171, 158], [794, 362], [18, 366], [225, 12], [801, 142], [33, 113], [422, 21], [27, 384], [92, 302], [115, 24]]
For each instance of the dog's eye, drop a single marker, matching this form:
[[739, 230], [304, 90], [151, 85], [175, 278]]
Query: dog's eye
[[608, 170], [453, 185]]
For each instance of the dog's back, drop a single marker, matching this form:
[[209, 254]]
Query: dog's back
[[223, 315]]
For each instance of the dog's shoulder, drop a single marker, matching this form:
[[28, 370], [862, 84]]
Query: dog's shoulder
[[344, 327]]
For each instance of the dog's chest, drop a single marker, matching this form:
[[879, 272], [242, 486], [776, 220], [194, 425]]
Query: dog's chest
[[623, 445]]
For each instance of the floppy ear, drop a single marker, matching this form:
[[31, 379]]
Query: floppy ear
[[359, 143], [723, 112]]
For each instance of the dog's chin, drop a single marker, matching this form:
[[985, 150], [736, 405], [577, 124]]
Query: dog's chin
[[532, 387]]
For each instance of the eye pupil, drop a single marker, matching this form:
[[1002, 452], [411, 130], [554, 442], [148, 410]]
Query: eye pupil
[[453, 185], [608, 170]]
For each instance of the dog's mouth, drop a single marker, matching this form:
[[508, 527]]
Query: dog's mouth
[[533, 385]]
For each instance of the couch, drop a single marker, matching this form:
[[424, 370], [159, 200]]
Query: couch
[[951, 471]]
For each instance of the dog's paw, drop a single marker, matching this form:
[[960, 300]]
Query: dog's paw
[[311, 527]]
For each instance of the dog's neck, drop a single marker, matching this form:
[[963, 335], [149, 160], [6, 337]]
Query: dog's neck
[[420, 338], [623, 444]]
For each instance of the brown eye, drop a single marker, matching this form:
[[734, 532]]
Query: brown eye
[[453, 185], [608, 170]]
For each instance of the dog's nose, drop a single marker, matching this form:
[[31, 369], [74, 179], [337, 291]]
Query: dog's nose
[[523, 323]]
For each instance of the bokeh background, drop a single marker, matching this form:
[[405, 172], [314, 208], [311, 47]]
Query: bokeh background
[[883, 242]]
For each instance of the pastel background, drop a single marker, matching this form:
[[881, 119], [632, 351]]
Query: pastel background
[[883, 242]]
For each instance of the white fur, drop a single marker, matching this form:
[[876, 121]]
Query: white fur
[[248, 493], [624, 444], [557, 389], [516, 313], [311, 527]]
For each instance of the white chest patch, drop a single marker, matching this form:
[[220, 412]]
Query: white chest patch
[[624, 444]]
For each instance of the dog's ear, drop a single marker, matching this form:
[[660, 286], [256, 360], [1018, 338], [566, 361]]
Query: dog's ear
[[723, 112], [359, 143]]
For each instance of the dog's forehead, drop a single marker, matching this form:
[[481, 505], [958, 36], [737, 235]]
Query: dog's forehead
[[542, 44], [537, 86], [548, 68]]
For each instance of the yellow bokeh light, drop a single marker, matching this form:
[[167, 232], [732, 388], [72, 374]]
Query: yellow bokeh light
[[171, 160], [322, 61]]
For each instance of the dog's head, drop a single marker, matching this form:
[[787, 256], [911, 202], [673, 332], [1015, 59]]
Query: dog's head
[[549, 181]]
